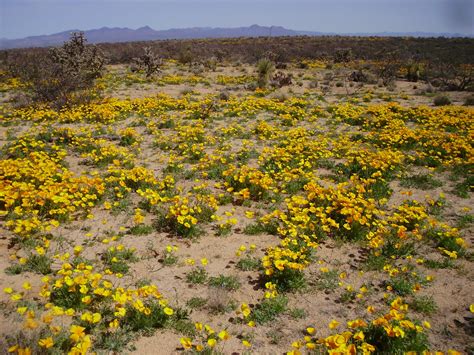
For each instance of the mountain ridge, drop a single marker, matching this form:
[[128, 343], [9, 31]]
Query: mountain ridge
[[146, 33]]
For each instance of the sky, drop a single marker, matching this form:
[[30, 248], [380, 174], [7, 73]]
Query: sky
[[21, 18]]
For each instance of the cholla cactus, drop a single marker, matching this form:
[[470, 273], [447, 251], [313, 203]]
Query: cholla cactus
[[281, 79], [148, 62], [66, 75], [78, 60]]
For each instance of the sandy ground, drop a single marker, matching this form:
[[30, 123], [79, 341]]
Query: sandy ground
[[452, 289]]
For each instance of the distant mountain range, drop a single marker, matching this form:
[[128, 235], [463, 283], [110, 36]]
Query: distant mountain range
[[146, 33]]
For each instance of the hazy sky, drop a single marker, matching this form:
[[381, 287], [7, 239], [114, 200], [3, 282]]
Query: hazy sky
[[20, 18]]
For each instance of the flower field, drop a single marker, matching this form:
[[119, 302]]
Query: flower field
[[168, 216]]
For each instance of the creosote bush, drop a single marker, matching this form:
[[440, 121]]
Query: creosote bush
[[441, 100]]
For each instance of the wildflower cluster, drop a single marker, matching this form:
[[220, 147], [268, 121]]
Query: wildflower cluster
[[392, 330], [80, 304]]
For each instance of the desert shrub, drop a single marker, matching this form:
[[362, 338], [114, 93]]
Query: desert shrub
[[224, 95], [251, 86], [441, 100], [358, 76], [281, 79], [415, 72], [148, 62], [271, 56], [343, 55], [220, 54], [65, 74], [196, 68], [313, 84], [185, 56], [211, 63], [264, 70], [429, 89], [451, 76], [286, 49], [469, 101], [302, 65], [387, 72]]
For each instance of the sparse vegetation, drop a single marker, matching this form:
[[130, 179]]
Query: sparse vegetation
[[269, 309], [424, 304], [249, 263], [441, 100], [294, 210], [421, 181], [148, 62], [265, 68], [197, 276], [229, 283], [66, 75]]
